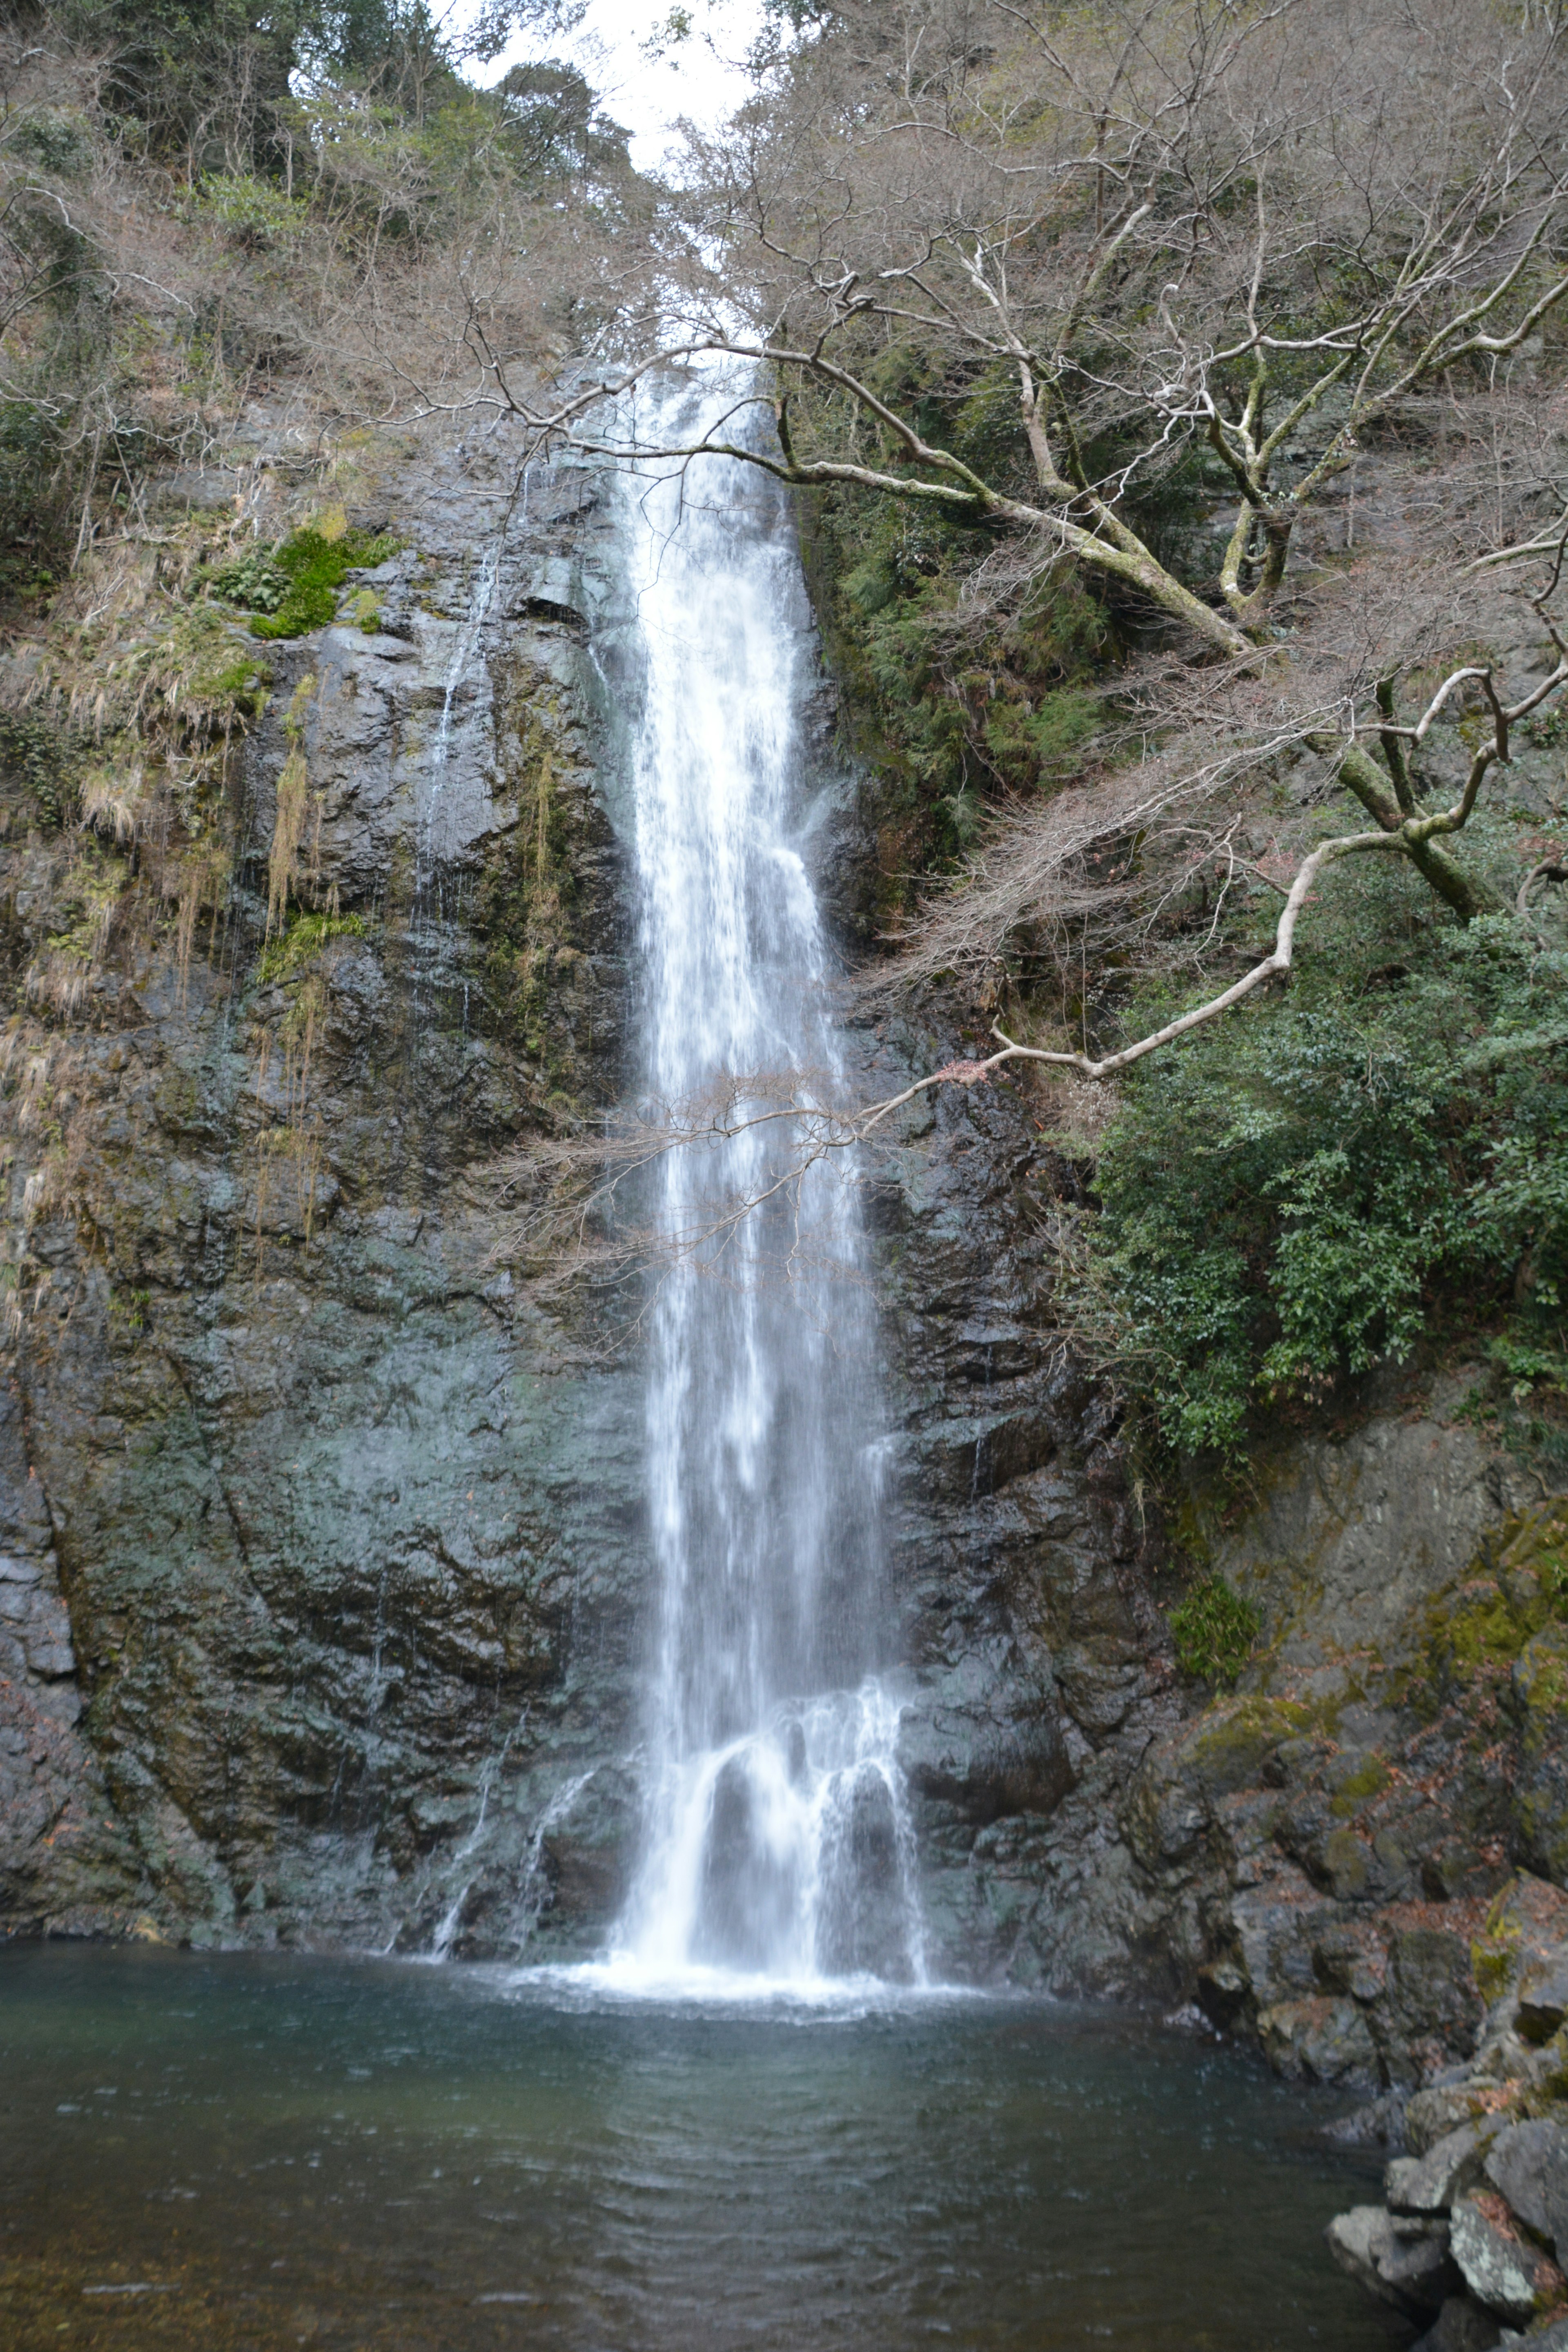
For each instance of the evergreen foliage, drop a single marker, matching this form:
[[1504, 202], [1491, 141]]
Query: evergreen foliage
[[1307, 1191]]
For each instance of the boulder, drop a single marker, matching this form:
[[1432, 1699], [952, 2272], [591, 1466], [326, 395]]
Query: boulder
[[1543, 1998], [1378, 2123], [1501, 2267], [1404, 2264], [1528, 2165], [1432, 2114], [1428, 2184], [1460, 2327], [1321, 2040], [1551, 2338]]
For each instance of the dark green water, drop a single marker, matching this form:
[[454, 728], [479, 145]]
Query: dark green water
[[276, 2152]]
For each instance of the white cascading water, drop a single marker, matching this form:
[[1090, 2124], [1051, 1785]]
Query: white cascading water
[[777, 1845]]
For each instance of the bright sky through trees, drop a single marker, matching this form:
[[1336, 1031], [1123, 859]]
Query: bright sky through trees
[[647, 79]]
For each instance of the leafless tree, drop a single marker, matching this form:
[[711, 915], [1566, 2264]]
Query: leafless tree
[[1276, 239]]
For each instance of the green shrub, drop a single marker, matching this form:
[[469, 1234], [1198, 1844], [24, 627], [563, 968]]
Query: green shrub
[[254, 582], [1291, 1196], [57, 139], [1214, 1630], [251, 212]]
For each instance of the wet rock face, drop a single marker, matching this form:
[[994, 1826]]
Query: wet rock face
[[346, 1525], [330, 1610], [1311, 1856], [61, 1843], [1038, 1667]]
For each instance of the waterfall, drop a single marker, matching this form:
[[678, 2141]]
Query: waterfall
[[776, 1843]]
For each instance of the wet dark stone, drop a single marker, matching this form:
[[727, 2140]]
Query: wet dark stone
[[864, 1923], [748, 1900]]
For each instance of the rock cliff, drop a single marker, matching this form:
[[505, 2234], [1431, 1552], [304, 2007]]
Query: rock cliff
[[324, 1570], [313, 1518]]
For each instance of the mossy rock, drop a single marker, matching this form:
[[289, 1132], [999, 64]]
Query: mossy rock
[[1226, 1747], [1537, 1541], [1369, 1780], [305, 938], [1528, 1918], [293, 588], [1518, 1588]]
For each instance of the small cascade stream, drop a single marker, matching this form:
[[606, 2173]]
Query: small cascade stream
[[776, 1844]]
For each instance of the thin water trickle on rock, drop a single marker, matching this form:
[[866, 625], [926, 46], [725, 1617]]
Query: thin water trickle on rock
[[447, 1931], [776, 1843]]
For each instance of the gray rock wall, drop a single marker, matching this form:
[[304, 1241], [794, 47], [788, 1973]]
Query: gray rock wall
[[339, 1514]]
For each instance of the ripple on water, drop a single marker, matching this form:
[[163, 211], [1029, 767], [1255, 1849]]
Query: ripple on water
[[400, 2159]]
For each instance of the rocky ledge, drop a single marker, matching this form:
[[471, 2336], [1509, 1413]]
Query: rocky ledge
[[1471, 2240]]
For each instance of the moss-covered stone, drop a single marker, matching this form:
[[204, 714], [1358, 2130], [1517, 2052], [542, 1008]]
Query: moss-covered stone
[[1231, 1739], [1369, 1780], [315, 563]]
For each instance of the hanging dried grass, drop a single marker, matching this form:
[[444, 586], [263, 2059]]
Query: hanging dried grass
[[201, 881], [293, 806]]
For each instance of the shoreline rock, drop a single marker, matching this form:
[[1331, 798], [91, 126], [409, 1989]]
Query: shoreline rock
[[1473, 2232]]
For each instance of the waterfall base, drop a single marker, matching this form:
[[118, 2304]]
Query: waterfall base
[[785, 1857]]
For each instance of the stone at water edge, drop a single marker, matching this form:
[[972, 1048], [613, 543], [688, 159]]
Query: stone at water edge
[[1376, 2122], [1461, 2326], [1501, 2267], [1404, 2264], [1540, 2339], [1431, 2115], [1428, 2184], [1321, 2040], [1528, 2164]]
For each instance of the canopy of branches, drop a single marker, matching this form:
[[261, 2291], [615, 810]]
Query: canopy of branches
[[1177, 389]]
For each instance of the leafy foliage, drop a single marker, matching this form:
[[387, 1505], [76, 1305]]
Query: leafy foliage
[[34, 755], [1289, 1197], [254, 216], [254, 583]]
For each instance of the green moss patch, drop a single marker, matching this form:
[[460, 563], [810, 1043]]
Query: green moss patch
[[362, 609], [1358, 1787], [1229, 1744], [306, 936], [1214, 1630], [1517, 1588], [292, 588]]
